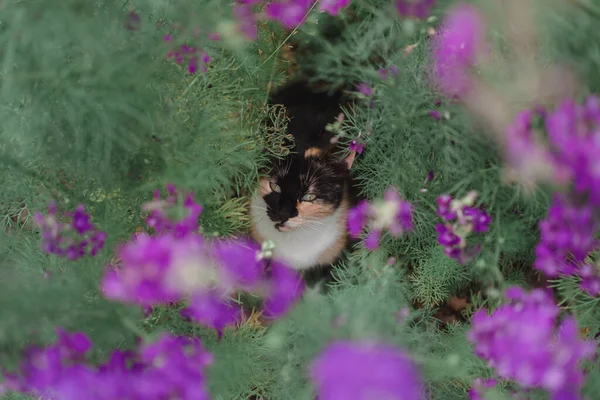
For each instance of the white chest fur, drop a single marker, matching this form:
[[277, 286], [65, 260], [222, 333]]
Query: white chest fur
[[303, 247]]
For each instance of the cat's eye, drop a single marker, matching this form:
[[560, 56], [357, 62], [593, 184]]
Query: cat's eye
[[275, 187], [309, 197]]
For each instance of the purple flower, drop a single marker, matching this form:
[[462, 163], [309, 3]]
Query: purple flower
[[285, 290], [159, 209], [191, 55], [402, 219], [360, 370], [357, 146], [525, 153], [435, 114], [358, 217], [333, 7], [178, 263], [146, 275], [456, 49], [522, 342], [246, 20], [444, 209], [567, 237], [169, 367], [464, 219], [71, 239], [212, 309], [290, 13], [241, 268], [392, 214], [372, 240], [365, 89], [415, 8], [572, 132]]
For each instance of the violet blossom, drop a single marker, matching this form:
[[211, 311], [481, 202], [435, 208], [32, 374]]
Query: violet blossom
[[177, 263], [71, 235], [365, 89], [246, 20], [362, 370], [567, 237], [462, 219], [169, 367], [522, 342], [194, 58], [333, 7], [415, 8], [456, 49], [290, 13], [572, 131], [392, 213], [356, 146]]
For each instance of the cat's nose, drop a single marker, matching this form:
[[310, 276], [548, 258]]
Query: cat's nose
[[283, 216], [286, 213]]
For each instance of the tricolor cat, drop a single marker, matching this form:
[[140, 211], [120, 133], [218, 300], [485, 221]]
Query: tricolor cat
[[302, 201]]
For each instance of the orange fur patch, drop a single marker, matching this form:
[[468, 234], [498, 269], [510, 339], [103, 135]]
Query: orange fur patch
[[313, 210], [312, 152]]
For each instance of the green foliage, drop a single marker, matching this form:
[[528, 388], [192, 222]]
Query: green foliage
[[94, 113]]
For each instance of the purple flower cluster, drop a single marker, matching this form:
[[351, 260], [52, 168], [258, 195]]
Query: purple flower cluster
[[392, 214], [457, 48], [565, 156], [177, 263], [567, 237], [572, 133], [415, 8], [291, 13], [170, 367], [246, 19], [191, 55], [461, 220], [72, 238], [523, 341], [362, 370]]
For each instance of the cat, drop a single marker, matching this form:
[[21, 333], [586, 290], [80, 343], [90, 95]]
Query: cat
[[303, 199]]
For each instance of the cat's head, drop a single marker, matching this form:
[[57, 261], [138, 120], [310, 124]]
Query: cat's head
[[305, 188]]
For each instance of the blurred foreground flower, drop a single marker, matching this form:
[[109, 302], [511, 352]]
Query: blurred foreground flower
[[558, 146], [392, 213], [415, 8], [363, 371], [72, 238], [523, 342], [567, 238], [170, 367], [290, 13], [333, 7], [462, 219], [178, 263], [456, 48]]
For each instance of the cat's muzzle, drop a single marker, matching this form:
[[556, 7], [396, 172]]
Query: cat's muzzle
[[282, 227]]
